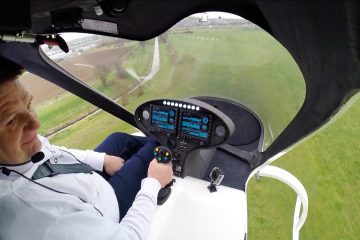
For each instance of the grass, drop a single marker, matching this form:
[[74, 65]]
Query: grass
[[91, 136], [327, 166], [255, 74], [261, 72], [57, 113]]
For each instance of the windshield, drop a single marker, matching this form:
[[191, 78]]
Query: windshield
[[208, 54]]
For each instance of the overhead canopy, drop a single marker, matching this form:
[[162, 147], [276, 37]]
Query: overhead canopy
[[322, 37]]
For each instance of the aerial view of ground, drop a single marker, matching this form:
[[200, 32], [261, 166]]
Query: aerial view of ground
[[82, 66]]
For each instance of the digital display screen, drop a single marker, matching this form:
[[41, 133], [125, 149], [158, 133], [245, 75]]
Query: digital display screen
[[195, 125], [163, 118]]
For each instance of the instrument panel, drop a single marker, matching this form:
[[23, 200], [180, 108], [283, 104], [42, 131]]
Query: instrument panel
[[186, 123], [183, 126]]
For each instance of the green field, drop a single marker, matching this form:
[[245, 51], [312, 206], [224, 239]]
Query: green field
[[260, 74], [327, 166]]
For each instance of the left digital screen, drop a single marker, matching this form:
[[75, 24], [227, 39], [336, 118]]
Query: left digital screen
[[163, 118]]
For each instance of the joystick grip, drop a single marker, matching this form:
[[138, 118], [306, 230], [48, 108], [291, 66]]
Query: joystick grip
[[162, 154]]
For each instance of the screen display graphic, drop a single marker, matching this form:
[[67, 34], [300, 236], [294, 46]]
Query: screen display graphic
[[195, 125], [163, 118]]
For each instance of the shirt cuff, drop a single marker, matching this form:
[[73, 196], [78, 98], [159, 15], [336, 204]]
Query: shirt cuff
[[97, 160], [150, 185]]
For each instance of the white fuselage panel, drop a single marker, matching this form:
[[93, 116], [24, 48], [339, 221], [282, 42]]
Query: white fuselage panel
[[192, 212]]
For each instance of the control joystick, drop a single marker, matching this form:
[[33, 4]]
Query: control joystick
[[163, 155]]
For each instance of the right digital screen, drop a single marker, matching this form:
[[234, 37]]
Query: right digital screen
[[195, 125]]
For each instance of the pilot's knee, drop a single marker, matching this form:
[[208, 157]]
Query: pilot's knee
[[118, 136]]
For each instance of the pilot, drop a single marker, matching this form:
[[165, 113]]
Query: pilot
[[50, 192]]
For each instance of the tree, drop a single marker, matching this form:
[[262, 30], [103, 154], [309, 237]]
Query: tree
[[102, 72], [120, 71]]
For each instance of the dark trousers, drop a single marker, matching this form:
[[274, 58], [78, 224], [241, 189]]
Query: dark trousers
[[137, 153]]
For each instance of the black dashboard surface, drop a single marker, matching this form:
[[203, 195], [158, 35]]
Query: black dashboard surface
[[183, 126]]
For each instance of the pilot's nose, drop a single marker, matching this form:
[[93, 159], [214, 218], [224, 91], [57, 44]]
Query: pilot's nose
[[32, 122]]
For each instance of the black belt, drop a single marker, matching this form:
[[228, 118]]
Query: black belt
[[47, 169]]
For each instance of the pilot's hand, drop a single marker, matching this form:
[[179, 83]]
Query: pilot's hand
[[112, 164], [160, 171]]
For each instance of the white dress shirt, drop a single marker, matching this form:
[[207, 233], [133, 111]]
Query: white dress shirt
[[29, 211]]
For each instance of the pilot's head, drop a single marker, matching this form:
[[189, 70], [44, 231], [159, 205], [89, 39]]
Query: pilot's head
[[18, 123]]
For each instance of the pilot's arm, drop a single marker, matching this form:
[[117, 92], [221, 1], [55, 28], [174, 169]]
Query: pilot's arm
[[87, 225]]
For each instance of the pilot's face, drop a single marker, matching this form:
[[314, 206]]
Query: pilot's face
[[18, 124]]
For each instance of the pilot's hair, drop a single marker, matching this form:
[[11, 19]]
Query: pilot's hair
[[9, 70]]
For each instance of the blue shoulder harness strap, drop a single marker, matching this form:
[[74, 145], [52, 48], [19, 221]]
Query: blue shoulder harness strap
[[47, 169]]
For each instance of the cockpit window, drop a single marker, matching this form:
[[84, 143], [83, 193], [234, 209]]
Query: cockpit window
[[206, 54]]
